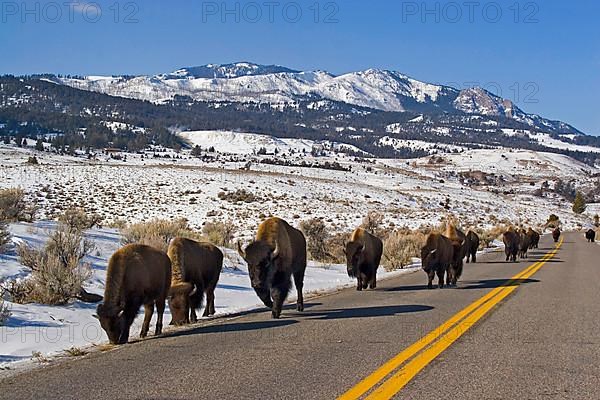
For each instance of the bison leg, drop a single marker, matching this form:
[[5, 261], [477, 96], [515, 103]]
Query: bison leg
[[359, 284], [373, 282], [160, 310], [210, 303], [148, 311], [440, 274], [474, 256], [279, 293], [430, 276], [299, 282], [128, 317]]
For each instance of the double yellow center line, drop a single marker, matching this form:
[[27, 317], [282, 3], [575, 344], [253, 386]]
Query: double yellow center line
[[426, 349]]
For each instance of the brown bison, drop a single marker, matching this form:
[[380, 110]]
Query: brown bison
[[590, 235], [459, 244], [363, 254], [534, 238], [472, 246], [277, 252], [524, 243], [137, 274], [511, 244], [556, 234], [436, 256], [196, 269]]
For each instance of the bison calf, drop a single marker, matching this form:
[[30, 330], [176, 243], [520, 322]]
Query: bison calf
[[277, 253], [590, 235], [363, 254], [196, 269], [436, 256], [136, 275]]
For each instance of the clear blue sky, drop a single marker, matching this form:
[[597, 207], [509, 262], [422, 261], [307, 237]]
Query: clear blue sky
[[545, 57]]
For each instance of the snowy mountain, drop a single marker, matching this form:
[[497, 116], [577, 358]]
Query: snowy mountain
[[252, 83]]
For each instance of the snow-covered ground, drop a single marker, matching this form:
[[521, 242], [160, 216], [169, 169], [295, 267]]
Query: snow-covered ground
[[480, 187], [50, 330]]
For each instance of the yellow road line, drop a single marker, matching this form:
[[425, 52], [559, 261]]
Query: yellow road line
[[484, 304]]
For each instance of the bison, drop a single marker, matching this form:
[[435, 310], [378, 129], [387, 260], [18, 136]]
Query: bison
[[472, 246], [590, 235], [277, 252], [363, 254], [196, 268], [137, 274], [524, 243], [436, 256], [459, 244], [511, 244], [556, 234], [534, 238]]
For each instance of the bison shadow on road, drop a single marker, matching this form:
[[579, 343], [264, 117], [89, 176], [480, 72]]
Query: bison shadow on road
[[231, 327], [494, 283], [366, 312]]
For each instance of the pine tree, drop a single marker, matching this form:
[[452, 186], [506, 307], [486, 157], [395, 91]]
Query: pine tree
[[196, 151], [579, 203]]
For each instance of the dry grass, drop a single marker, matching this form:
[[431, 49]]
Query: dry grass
[[400, 247], [219, 233], [4, 308], [487, 236], [4, 236], [158, 233]]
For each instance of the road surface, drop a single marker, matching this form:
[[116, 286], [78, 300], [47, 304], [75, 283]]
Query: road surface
[[536, 336]]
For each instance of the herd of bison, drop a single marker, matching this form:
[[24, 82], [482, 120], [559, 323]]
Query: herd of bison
[[142, 275]]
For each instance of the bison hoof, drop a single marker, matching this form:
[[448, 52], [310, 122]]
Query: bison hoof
[[300, 307], [275, 315]]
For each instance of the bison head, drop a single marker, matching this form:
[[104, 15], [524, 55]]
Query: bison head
[[354, 257], [260, 257], [113, 322], [429, 258], [179, 302]]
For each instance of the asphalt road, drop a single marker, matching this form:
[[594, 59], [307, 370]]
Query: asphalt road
[[542, 341]]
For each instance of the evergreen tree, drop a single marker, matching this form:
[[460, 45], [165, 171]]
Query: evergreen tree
[[197, 151], [39, 145], [579, 203]]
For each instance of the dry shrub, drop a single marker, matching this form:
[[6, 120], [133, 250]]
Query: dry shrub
[[4, 308], [401, 246], [373, 223], [78, 219], [57, 270], [239, 196], [219, 233], [336, 245], [4, 236], [317, 234], [487, 236], [14, 207], [158, 233]]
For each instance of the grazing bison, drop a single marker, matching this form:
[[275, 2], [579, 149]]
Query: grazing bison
[[363, 253], [590, 235], [278, 252], [472, 246], [556, 234], [524, 243], [136, 275], [534, 238], [196, 268], [436, 256], [511, 244], [459, 244]]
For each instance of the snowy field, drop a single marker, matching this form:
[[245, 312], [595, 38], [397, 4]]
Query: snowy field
[[480, 187], [50, 330]]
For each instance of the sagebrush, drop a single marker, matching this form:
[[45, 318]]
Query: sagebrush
[[219, 233], [400, 247], [158, 233], [14, 207], [317, 235], [78, 219]]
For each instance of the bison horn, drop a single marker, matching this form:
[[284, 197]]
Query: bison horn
[[193, 292], [120, 314], [95, 316], [433, 251], [361, 248], [275, 253], [240, 251]]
